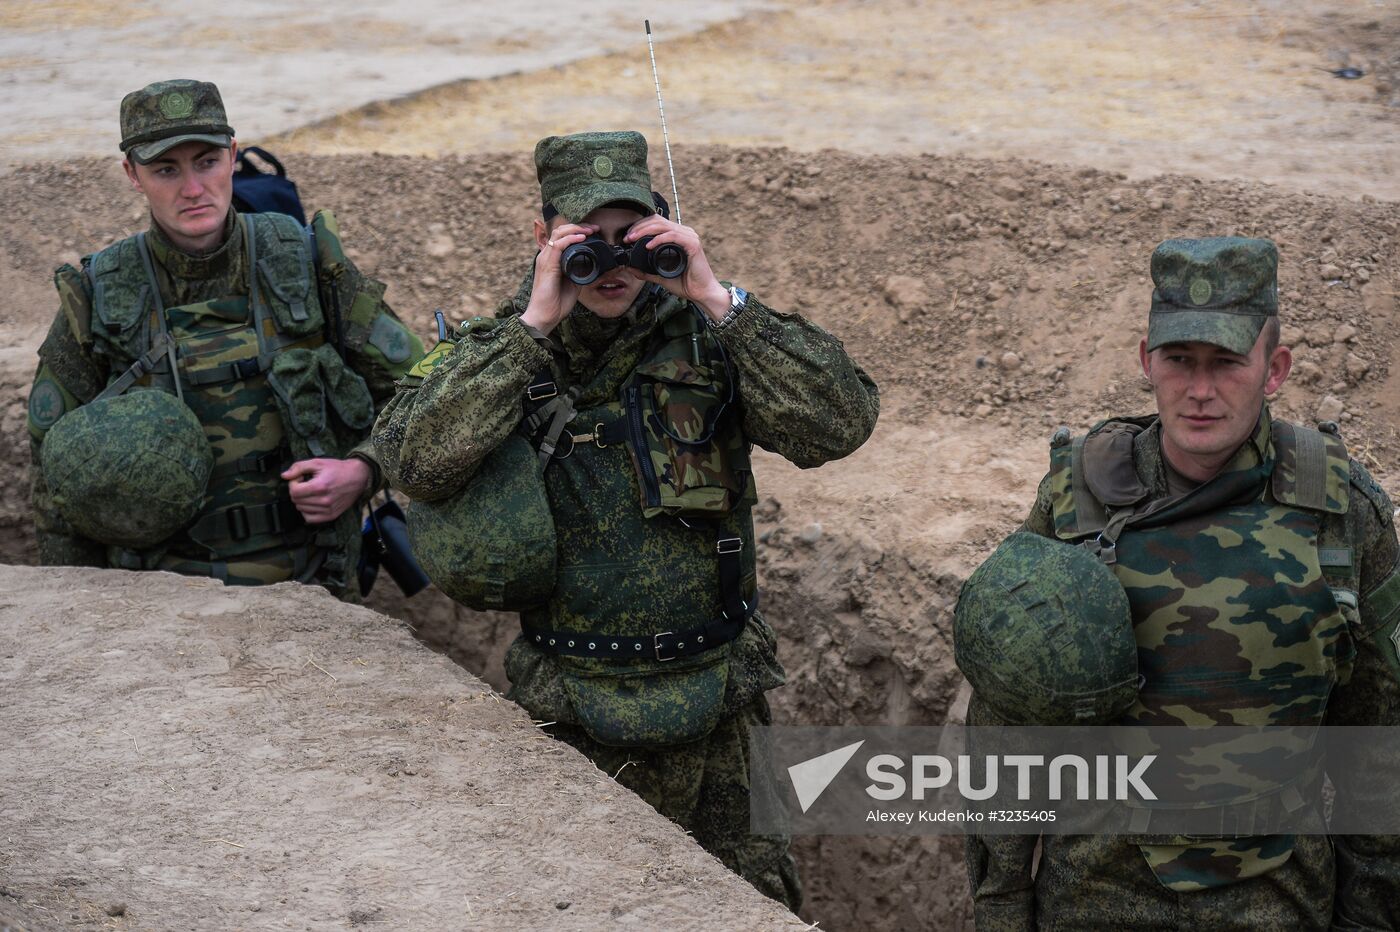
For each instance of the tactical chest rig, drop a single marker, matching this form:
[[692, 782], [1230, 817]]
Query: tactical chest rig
[[1243, 594], [675, 422], [256, 368], [637, 481]]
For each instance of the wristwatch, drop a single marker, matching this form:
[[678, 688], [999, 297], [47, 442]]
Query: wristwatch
[[738, 297]]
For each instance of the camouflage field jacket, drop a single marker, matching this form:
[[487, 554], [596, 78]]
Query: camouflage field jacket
[[797, 394]]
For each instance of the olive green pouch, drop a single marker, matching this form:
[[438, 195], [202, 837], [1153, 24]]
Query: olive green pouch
[[649, 707]]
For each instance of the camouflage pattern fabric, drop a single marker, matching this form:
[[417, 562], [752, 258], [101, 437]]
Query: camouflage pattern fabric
[[1043, 631], [619, 571], [166, 114], [580, 173], [1217, 290], [690, 463], [1215, 660], [703, 787], [248, 532], [491, 545], [131, 470]]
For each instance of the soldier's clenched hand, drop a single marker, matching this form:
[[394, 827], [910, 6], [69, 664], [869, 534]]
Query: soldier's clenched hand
[[699, 283], [553, 295], [323, 488]]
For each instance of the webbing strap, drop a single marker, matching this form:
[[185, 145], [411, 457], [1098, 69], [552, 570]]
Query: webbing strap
[[546, 407], [731, 576], [235, 371], [144, 363], [563, 412], [260, 310], [270, 461], [1310, 453], [145, 251], [239, 522]]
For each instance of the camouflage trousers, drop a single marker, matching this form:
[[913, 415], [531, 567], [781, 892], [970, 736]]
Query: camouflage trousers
[[1104, 882], [703, 787]]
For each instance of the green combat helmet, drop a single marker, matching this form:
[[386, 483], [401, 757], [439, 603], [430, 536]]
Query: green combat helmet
[[129, 470], [492, 545], [1044, 634]]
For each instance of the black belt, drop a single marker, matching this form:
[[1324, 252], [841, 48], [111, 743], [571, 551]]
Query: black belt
[[664, 645]]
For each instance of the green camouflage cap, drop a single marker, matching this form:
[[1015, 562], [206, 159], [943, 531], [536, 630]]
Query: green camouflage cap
[[1219, 290], [163, 115], [580, 173]]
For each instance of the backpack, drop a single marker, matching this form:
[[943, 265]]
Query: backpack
[[256, 191]]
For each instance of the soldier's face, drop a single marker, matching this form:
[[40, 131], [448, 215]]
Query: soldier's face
[[615, 290], [189, 190], [1209, 399]]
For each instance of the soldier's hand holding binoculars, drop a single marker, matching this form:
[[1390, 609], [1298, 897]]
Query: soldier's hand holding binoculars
[[553, 295], [696, 281]]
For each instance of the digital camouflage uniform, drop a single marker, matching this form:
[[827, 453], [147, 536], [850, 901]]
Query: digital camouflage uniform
[[1268, 595], [282, 372], [630, 577]]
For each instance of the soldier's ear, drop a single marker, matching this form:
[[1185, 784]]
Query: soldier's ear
[[1280, 364], [1145, 359], [541, 233], [131, 175]]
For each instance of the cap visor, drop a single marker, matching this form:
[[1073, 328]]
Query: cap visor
[[154, 150], [576, 205], [1234, 332]]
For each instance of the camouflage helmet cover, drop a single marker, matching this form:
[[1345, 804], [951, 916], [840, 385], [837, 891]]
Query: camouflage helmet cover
[[161, 116], [130, 470], [1044, 634], [580, 173], [492, 545]]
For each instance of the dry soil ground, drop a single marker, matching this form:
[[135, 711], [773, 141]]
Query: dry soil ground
[[991, 298], [273, 759]]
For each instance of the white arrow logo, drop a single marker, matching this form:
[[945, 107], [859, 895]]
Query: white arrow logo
[[811, 777]]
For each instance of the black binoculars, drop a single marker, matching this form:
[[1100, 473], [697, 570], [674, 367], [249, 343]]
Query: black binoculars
[[584, 262]]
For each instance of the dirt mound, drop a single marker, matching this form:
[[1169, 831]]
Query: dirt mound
[[992, 301], [185, 756]]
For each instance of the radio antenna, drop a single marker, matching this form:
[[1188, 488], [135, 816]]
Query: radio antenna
[[665, 136]]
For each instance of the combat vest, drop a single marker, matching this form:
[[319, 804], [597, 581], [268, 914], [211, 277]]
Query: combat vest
[[647, 474], [256, 368], [1243, 594]]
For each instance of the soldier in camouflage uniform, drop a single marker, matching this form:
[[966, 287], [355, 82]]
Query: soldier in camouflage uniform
[[262, 328], [644, 650], [1260, 564]]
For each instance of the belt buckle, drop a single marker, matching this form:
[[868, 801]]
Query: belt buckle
[[656, 646], [237, 518], [544, 389], [729, 545]]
